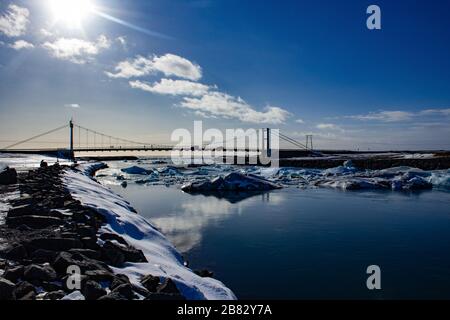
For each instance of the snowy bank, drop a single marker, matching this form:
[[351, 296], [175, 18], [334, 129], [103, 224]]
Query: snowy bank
[[164, 260]]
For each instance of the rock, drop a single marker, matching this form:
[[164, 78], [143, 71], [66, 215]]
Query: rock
[[90, 243], [66, 259], [39, 273], [43, 164], [113, 236], [150, 282], [204, 273], [136, 170], [86, 231], [6, 289], [168, 286], [23, 289], [125, 290], [164, 297], [112, 254], [51, 286], [92, 254], [16, 252], [93, 290], [29, 296], [99, 275], [8, 176], [34, 222], [112, 296], [118, 280], [14, 274], [42, 256], [55, 295], [54, 244]]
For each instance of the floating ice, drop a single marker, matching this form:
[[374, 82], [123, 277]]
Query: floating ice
[[136, 170], [232, 182]]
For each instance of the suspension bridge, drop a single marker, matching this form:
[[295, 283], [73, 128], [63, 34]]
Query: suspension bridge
[[85, 140]]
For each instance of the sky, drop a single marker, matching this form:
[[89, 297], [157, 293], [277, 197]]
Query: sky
[[140, 69]]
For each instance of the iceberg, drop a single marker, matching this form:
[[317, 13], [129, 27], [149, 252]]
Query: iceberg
[[234, 181]]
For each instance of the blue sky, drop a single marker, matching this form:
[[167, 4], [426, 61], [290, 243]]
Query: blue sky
[[140, 69]]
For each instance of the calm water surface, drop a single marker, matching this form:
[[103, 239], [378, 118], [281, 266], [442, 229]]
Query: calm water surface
[[312, 243]]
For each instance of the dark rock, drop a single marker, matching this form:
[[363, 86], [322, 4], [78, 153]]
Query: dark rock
[[113, 250], [113, 236], [118, 280], [16, 252], [39, 273], [51, 286], [43, 164], [140, 290], [165, 297], [125, 290], [22, 210], [113, 254], [204, 273], [168, 286], [93, 290], [92, 254], [23, 289], [6, 289], [55, 244], [8, 176], [99, 275], [34, 222], [90, 243], [29, 296], [66, 259], [112, 296], [55, 295], [86, 231], [14, 274], [42, 256], [150, 282]]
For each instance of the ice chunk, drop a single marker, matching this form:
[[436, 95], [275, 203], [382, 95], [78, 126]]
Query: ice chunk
[[233, 182], [76, 295], [136, 170]]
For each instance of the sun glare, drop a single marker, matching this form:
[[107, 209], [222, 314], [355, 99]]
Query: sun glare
[[71, 12]]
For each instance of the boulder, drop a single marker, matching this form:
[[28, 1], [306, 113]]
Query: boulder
[[39, 273], [204, 273], [66, 259], [23, 289], [112, 296], [168, 286], [54, 244], [92, 290], [16, 252], [42, 256], [125, 290], [99, 275], [34, 222], [92, 254], [29, 296], [6, 289], [118, 280], [150, 282], [116, 252], [113, 236], [13, 274], [8, 176], [55, 295]]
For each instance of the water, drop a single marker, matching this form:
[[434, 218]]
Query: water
[[311, 243]]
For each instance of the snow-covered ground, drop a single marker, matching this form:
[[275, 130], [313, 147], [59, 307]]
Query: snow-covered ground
[[164, 260]]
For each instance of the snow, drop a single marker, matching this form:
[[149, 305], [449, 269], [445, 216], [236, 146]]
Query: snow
[[75, 295], [165, 261]]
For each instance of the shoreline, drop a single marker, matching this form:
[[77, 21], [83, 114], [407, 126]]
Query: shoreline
[[52, 224]]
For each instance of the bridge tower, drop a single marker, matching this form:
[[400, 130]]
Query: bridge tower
[[72, 154]]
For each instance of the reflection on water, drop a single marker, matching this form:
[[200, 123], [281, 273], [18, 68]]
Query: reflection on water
[[311, 243]]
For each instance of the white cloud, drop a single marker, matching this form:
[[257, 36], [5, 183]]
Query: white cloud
[[444, 112], [72, 105], [123, 41], [328, 126], [21, 44], [172, 87], [45, 33], [301, 121], [169, 65], [223, 105], [385, 116], [77, 50], [13, 23]]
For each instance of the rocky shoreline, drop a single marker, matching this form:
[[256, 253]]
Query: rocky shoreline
[[47, 232]]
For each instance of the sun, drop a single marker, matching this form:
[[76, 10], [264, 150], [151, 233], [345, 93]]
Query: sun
[[71, 12]]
